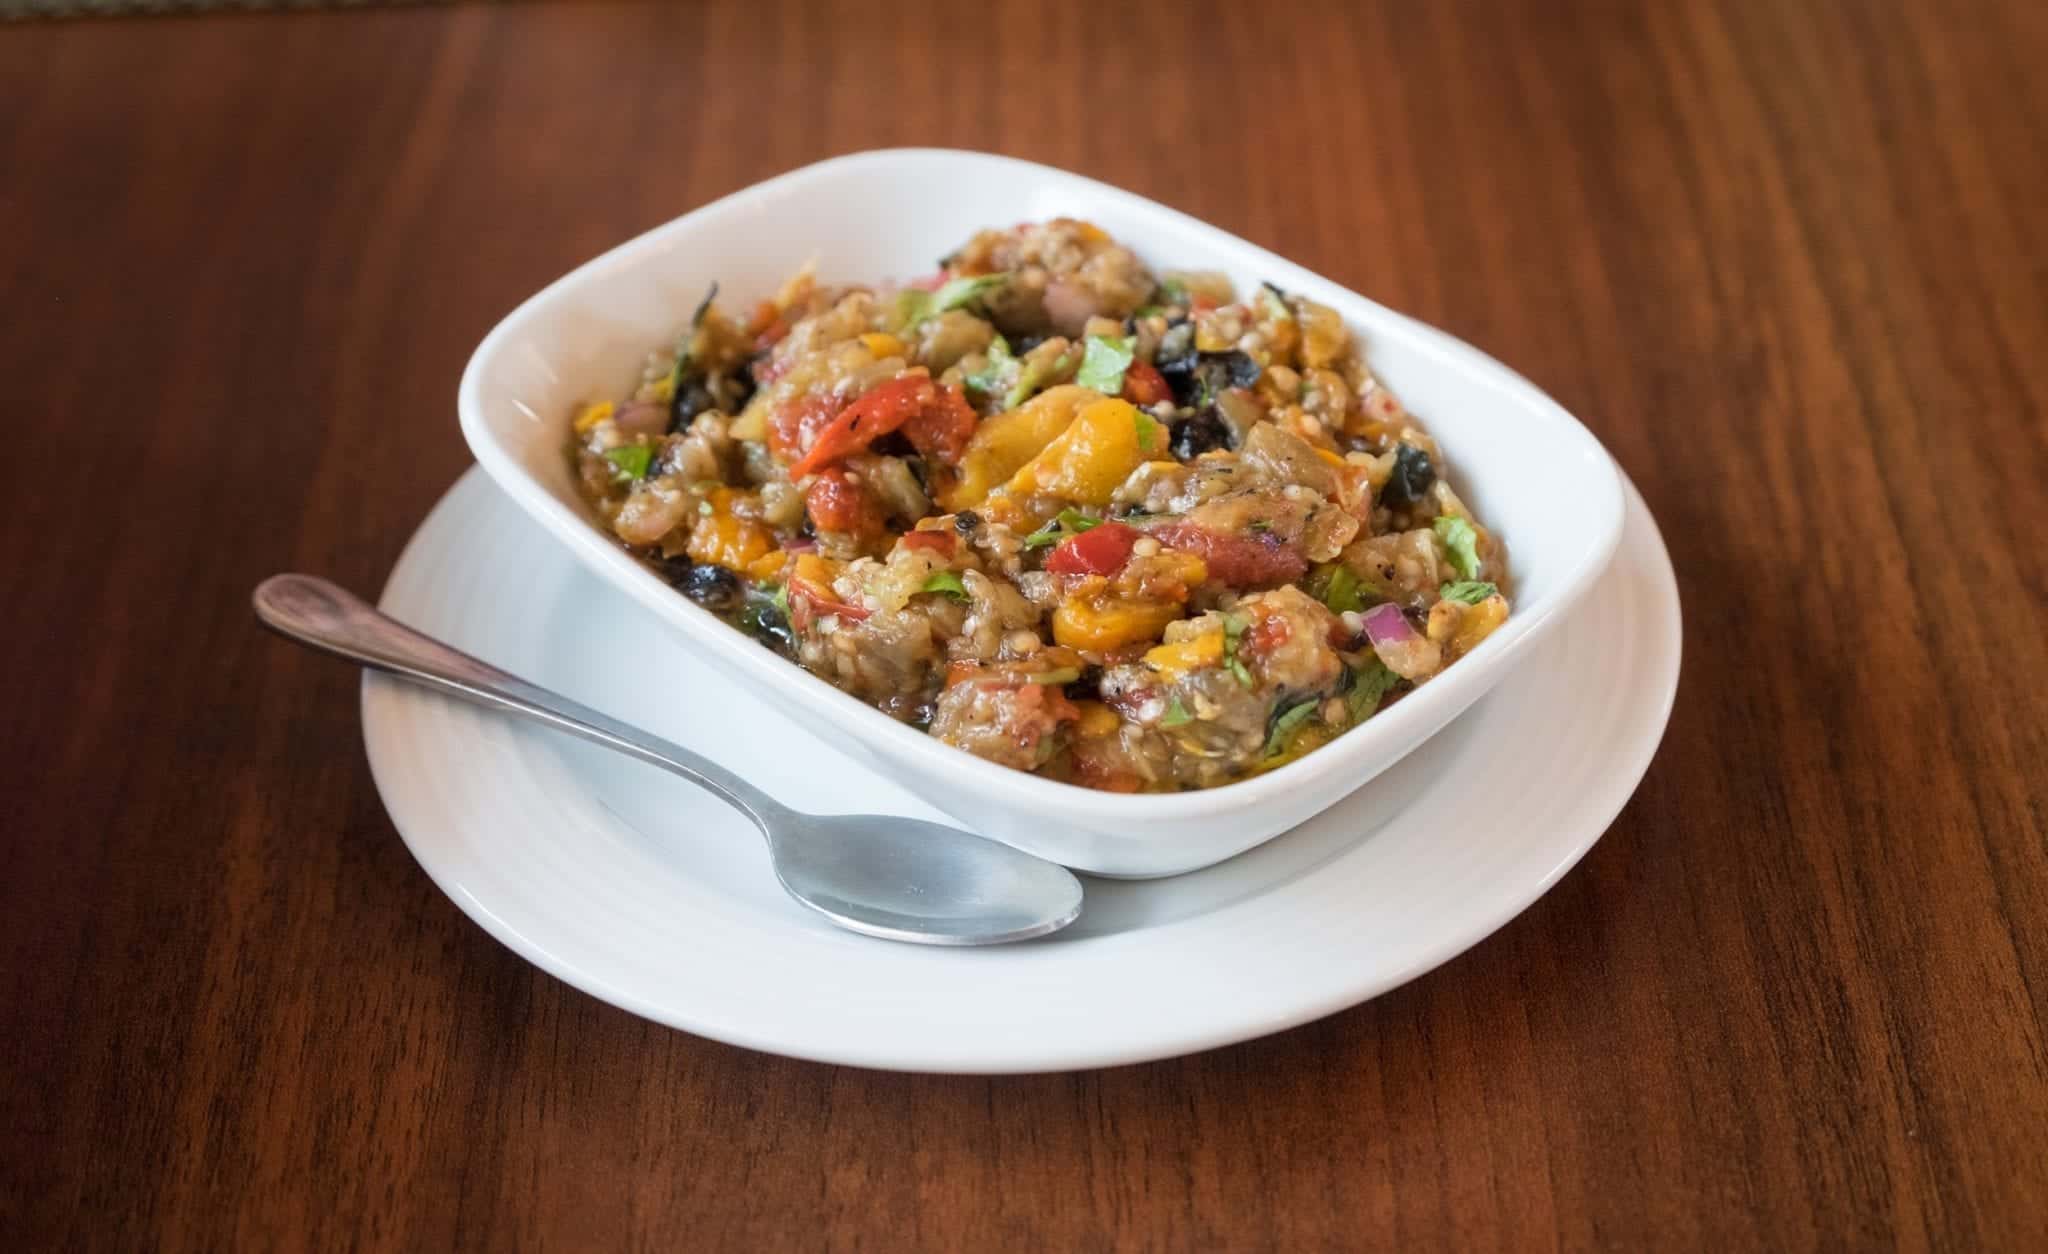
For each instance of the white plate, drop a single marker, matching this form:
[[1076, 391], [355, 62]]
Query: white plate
[[651, 895], [1529, 469]]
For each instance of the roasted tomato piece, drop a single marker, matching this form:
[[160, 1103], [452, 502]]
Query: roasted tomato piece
[[1237, 561], [1266, 635], [837, 503], [940, 429], [793, 426]]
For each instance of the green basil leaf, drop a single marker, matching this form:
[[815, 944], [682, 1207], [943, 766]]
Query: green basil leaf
[[989, 379], [1283, 726], [1462, 539], [629, 461], [1342, 593], [947, 583], [1033, 376], [1370, 683], [915, 306], [1068, 522], [1104, 360], [1467, 591]]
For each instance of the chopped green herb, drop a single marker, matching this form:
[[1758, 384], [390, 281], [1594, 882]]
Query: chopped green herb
[[1053, 678], [947, 583], [1148, 431], [1233, 632], [918, 306], [1462, 539], [914, 306], [1467, 591], [1259, 526], [629, 461], [1149, 311], [1173, 292], [1033, 377], [1370, 684], [781, 599], [989, 379], [1341, 593], [1284, 726], [1176, 714], [1069, 522], [1104, 360]]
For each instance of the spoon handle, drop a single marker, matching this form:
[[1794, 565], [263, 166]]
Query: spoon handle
[[318, 613]]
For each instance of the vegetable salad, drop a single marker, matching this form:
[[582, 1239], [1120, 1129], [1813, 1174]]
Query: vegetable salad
[[1130, 530]]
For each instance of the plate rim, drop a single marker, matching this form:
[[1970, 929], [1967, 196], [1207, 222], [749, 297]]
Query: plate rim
[[1335, 993]]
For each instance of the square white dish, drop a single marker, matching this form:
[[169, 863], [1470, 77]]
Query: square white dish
[[1529, 469]]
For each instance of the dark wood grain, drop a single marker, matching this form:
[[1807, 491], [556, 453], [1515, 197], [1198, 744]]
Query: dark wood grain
[[1787, 260]]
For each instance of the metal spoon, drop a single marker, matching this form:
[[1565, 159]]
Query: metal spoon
[[896, 878]]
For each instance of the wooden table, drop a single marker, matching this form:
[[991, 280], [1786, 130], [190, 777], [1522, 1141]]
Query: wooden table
[[1787, 260]]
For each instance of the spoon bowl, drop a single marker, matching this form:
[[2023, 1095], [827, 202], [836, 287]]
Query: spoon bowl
[[876, 874], [895, 878]]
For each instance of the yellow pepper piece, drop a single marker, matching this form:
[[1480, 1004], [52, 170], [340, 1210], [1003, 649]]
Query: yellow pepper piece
[[1479, 622], [592, 414], [1085, 623], [881, 344], [722, 538], [1178, 659], [814, 570], [1096, 719], [767, 568], [1003, 443], [1088, 461]]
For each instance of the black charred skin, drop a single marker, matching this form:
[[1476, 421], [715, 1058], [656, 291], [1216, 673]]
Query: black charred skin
[[713, 587], [1199, 433], [1412, 478]]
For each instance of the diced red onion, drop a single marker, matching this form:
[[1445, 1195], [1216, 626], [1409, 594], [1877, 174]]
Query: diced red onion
[[641, 418], [1386, 624]]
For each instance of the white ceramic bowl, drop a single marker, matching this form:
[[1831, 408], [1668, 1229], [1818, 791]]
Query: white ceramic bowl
[[1528, 469]]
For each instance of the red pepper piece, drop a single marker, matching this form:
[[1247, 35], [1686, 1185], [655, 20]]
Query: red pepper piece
[[880, 410], [817, 601], [1100, 550], [943, 543], [1144, 385]]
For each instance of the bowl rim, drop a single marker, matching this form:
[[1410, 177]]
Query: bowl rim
[[1389, 735]]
